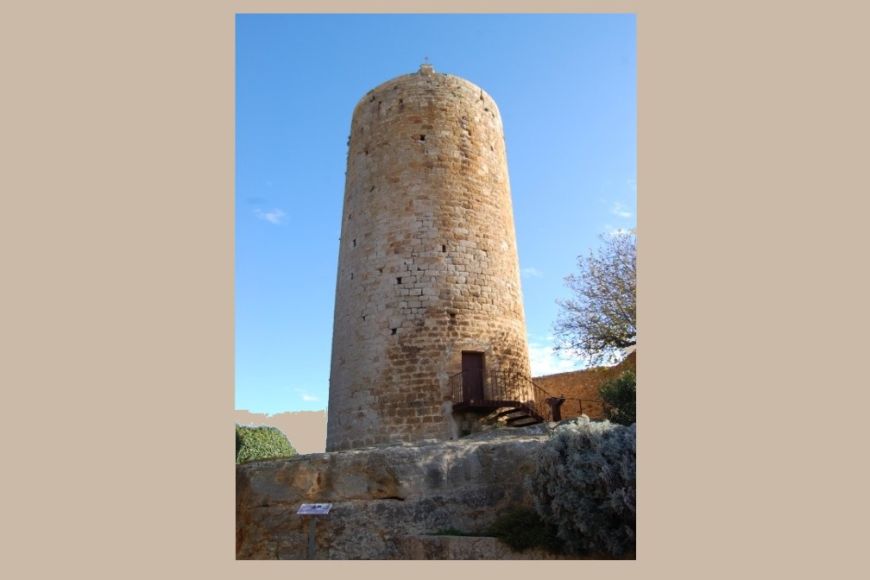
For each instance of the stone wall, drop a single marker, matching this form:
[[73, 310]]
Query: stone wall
[[580, 388], [387, 501], [428, 263]]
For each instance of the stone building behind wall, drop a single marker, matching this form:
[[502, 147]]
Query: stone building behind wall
[[428, 279]]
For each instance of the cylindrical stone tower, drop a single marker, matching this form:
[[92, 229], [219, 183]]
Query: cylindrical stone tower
[[428, 275]]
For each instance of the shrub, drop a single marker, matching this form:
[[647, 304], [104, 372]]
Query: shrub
[[523, 528], [258, 443], [620, 397], [584, 484]]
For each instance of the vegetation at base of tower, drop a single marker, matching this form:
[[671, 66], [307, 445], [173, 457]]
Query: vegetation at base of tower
[[523, 528], [620, 398], [457, 532], [584, 485], [259, 443], [520, 528], [601, 318]]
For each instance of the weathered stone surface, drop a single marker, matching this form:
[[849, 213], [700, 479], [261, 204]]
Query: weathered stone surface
[[384, 495], [428, 264], [467, 548]]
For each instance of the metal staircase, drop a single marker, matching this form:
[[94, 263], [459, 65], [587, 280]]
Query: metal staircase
[[503, 394]]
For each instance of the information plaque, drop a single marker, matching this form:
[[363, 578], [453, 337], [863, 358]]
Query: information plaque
[[314, 509]]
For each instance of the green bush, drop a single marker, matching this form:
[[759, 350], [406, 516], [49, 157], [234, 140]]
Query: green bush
[[620, 398], [584, 485], [523, 528], [258, 443]]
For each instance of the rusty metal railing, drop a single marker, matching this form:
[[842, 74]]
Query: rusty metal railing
[[511, 386], [494, 387]]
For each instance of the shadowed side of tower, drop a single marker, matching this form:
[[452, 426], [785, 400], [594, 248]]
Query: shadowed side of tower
[[428, 275]]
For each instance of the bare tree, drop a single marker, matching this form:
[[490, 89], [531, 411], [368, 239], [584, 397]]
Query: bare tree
[[601, 319]]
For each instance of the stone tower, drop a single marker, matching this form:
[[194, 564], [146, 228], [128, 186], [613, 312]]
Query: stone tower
[[428, 275]]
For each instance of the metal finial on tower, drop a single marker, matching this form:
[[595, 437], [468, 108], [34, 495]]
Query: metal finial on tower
[[426, 68]]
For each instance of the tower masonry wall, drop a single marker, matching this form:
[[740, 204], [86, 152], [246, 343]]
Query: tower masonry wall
[[428, 264]]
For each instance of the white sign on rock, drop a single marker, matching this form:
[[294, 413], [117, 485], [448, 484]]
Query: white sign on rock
[[314, 509]]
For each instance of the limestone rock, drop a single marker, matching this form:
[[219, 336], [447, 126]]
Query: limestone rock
[[384, 495]]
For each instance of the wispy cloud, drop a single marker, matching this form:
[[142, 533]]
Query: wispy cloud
[[306, 396], [531, 273], [620, 210], [544, 360], [274, 216]]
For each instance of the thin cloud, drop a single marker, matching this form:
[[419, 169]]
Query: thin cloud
[[620, 210], [306, 396], [531, 273], [544, 360], [275, 216]]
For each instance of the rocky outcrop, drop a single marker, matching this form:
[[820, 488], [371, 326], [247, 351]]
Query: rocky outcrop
[[467, 548], [385, 496]]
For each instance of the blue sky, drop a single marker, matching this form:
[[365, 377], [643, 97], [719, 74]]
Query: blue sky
[[565, 87]]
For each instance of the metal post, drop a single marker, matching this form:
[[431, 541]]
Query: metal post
[[312, 545], [313, 511]]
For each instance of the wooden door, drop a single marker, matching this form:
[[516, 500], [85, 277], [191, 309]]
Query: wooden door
[[472, 376]]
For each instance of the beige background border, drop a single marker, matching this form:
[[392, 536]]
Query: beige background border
[[117, 319]]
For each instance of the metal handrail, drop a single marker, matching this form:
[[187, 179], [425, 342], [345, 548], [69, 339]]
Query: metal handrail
[[512, 386], [503, 386]]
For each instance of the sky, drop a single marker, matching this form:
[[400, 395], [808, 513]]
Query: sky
[[565, 85]]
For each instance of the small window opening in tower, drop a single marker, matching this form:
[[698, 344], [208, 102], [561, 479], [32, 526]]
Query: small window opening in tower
[[399, 280], [350, 215], [351, 275], [371, 189], [392, 331], [354, 243], [443, 247], [380, 270], [422, 137]]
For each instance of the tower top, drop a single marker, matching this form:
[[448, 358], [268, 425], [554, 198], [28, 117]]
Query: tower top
[[426, 68]]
